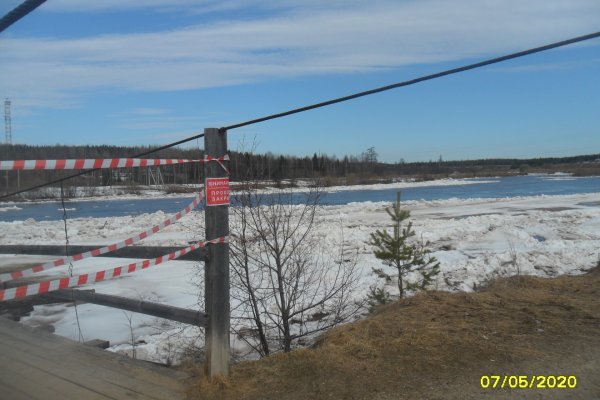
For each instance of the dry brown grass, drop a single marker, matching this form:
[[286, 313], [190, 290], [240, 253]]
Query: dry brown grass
[[436, 345]]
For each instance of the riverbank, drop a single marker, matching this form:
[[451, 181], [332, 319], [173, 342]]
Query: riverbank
[[325, 185], [154, 200], [177, 191]]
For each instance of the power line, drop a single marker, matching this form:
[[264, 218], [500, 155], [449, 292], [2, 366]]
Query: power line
[[19, 12], [342, 99], [416, 80], [60, 180]]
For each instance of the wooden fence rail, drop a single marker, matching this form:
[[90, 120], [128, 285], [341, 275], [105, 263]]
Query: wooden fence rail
[[125, 252], [186, 316]]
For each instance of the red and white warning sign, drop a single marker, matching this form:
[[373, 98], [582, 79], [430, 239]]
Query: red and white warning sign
[[217, 191]]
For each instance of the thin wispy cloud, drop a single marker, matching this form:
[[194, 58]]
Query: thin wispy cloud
[[162, 122], [159, 119], [558, 66], [288, 41], [194, 6], [149, 111]]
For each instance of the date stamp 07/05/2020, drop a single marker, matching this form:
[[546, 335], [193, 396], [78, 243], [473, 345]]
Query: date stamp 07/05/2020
[[528, 381]]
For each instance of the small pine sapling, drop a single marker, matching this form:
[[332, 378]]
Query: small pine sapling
[[376, 297], [395, 251]]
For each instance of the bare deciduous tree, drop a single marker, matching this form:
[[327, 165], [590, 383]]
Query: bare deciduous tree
[[287, 284]]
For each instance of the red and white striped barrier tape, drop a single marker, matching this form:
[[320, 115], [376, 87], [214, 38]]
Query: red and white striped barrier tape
[[217, 159], [97, 163], [64, 283], [106, 249]]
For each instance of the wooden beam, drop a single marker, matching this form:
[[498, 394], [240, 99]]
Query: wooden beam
[[125, 252], [186, 316]]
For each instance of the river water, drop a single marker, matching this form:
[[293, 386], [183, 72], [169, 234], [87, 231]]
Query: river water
[[499, 187]]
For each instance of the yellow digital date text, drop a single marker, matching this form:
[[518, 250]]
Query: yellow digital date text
[[528, 381]]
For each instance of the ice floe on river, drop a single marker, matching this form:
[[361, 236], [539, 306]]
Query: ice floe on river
[[475, 240]]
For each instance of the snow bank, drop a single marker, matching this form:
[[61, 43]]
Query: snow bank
[[10, 208], [400, 184], [475, 240], [151, 192]]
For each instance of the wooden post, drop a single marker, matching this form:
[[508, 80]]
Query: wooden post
[[216, 271]]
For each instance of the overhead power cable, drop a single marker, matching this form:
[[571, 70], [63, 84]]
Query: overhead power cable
[[87, 171], [346, 98], [19, 12], [416, 80]]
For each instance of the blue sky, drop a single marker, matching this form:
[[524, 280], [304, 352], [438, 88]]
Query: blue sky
[[128, 72]]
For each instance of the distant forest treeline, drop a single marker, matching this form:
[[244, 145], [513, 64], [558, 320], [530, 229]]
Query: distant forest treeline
[[350, 169]]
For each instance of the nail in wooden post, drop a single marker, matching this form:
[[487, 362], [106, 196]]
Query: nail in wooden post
[[216, 272]]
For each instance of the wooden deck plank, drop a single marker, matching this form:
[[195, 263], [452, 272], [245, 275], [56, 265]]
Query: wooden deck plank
[[17, 381], [31, 348], [39, 365]]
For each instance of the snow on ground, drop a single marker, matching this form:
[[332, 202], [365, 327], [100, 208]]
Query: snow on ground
[[475, 240], [303, 186], [10, 208], [149, 192]]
